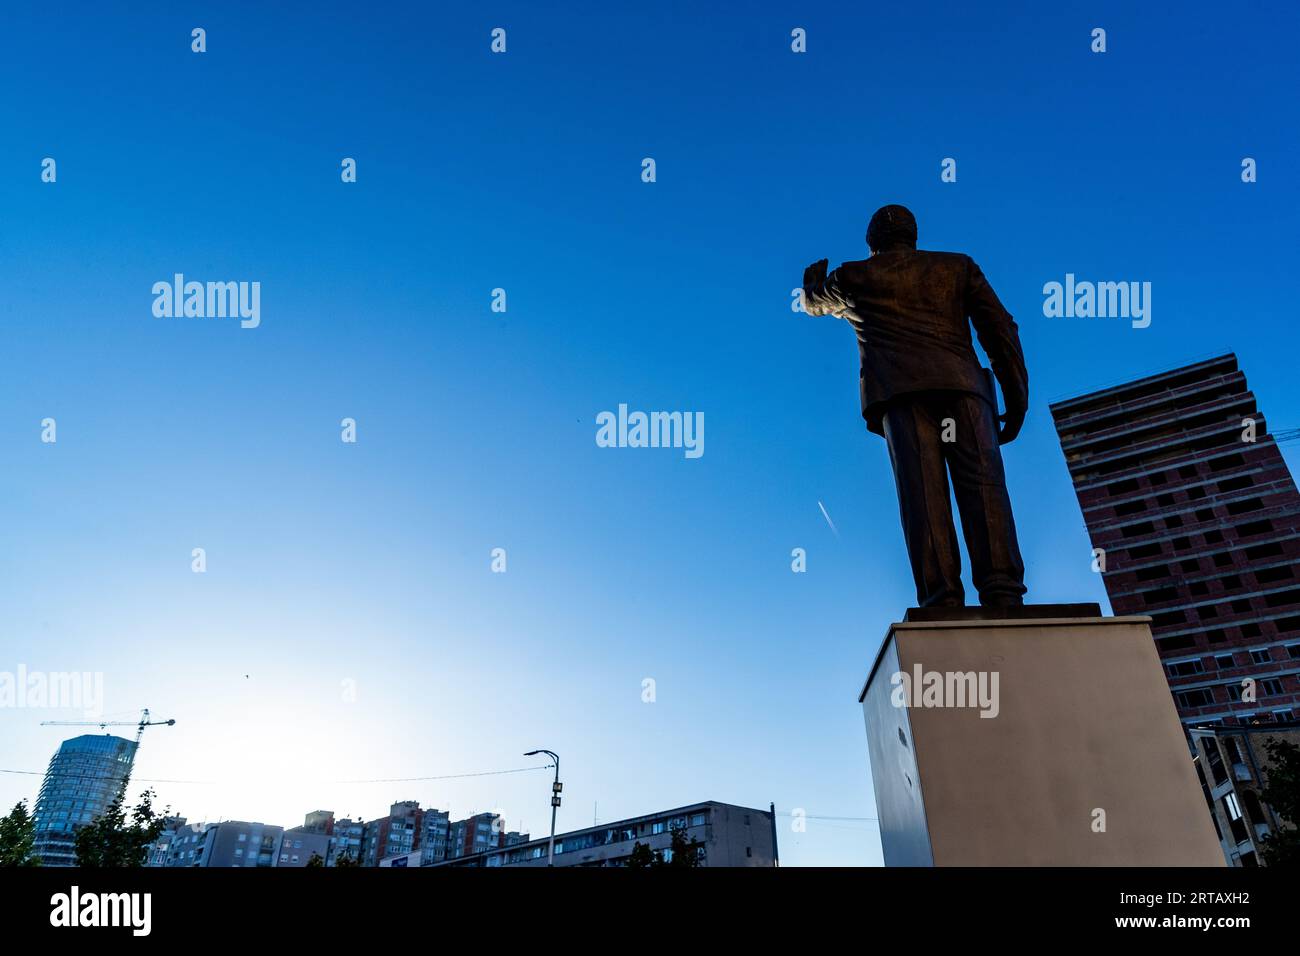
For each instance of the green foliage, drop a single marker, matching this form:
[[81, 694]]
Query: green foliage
[[1282, 794], [17, 835], [114, 841], [316, 860], [346, 860], [685, 853], [642, 858]]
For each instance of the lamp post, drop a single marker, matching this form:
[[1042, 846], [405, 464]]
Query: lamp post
[[556, 788]]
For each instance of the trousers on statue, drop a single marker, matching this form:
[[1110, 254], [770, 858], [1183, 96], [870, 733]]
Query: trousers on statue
[[932, 436]]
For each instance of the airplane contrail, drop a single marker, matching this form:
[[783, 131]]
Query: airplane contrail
[[828, 519]]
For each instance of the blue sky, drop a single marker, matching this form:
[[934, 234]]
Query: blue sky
[[370, 562]]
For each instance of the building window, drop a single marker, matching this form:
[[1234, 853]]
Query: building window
[[1277, 599], [1270, 575], [1226, 462], [1260, 656], [1224, 661], [1231, 805], [1200, 697], [1270, 549], [1159, 595], [1154, 573]]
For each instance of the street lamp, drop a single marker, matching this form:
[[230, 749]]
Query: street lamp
[[556, 788]]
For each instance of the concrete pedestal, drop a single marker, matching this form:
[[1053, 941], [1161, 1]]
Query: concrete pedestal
[[1079, 759]]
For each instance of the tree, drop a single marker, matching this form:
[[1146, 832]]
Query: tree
[[642, 858], [315, 860], [346, 860], [17, 836], [113, 841], [686, 853], [1282, 793]]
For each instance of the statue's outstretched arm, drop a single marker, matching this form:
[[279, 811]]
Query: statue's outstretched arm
[[822, 294]]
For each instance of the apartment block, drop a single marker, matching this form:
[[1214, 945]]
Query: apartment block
[[1234, 767], [730, 836], [1195, 521]]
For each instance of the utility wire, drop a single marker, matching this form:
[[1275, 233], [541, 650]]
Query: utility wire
[[449, 776], [812, 816], [90, 776]]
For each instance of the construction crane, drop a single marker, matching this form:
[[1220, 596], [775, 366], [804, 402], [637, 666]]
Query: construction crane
[[139, 725]]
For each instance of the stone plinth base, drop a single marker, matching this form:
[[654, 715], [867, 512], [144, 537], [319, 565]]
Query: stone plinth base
[[1030, 741]]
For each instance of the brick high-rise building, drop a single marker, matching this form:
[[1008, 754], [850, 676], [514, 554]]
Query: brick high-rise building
[[1184, 490], [393, 835]]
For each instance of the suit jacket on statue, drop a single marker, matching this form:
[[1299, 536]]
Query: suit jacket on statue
[[910, 310]]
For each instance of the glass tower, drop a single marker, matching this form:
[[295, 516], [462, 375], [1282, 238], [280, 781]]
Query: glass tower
[[83, 778]]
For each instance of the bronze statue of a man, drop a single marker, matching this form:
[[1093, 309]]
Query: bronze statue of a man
[[923, 389]]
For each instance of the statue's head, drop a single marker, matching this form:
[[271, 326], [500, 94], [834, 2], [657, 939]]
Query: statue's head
[[892, 226]]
